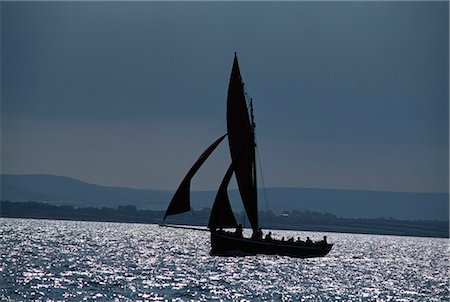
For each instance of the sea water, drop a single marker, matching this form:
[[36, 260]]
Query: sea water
[[48, 260]]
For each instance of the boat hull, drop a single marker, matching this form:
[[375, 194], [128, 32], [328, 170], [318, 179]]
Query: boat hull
[[227, 244]]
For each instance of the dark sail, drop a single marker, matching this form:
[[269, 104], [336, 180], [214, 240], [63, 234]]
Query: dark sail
[[241, 141], [221, 213], [181, 200]]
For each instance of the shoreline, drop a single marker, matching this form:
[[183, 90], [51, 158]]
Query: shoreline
[[310, 228]]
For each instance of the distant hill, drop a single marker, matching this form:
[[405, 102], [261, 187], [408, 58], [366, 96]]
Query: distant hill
[[60, 190], [364, 204]]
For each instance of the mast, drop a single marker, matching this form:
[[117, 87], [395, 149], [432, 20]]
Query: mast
[[253, 125]]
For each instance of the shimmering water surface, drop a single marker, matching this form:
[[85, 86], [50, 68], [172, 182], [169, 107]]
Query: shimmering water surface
[[73, 261]]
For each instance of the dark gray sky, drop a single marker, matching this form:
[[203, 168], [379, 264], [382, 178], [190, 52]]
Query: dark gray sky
[[347, 94]]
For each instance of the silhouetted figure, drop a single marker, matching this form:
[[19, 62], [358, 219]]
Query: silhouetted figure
[[239, 231], [299, 241], [291, 239], [324, 239], [282, 239], [258, 234], [308, 240], [269, 236]]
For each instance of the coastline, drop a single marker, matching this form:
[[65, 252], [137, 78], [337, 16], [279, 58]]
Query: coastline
[[311, 221]]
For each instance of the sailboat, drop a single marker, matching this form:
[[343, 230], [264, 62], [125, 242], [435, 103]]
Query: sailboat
[[241, 140]]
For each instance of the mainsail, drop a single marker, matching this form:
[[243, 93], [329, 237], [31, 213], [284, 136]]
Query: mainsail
[[221, 213], [242, 149], [242, 145], [181, 200]]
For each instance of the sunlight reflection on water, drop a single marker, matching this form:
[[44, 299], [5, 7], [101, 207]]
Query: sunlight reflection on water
[[73, 261]]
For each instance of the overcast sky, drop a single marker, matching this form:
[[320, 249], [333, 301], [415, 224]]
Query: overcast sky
[[347, 94]]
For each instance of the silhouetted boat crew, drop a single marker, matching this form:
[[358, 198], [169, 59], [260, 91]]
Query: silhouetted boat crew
[[239, 230], [258, 234], [241, 140]]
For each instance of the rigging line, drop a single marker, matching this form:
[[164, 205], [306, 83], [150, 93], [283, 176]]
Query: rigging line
[[183, 227], [266, 200]]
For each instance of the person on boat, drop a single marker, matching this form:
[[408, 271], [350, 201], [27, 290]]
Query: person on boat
[[324, 239], [269, 236], [258, 234], [291, 239], [299, 241], [308, 240], [238, 232]]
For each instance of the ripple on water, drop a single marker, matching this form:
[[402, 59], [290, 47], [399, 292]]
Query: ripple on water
[[72, 261]]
